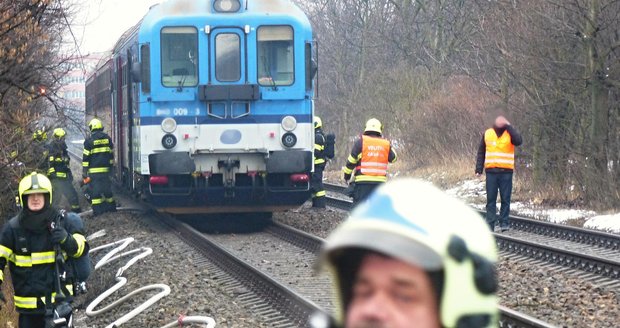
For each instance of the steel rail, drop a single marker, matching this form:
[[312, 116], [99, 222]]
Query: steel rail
[[508, 317], [588, 263], [293, 306], [575, 234]]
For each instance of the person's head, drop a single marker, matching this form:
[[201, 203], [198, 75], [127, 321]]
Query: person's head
[[95, 125], [373, 127], [318, 123], [500, 122], [35, 192], [59, 133], [412, 256]]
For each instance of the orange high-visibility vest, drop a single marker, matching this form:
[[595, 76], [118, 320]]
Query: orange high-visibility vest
[[500, 152], [374, 162]]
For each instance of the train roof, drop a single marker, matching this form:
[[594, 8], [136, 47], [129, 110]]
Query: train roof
[[126, 36], [103, 61], [203, 8]]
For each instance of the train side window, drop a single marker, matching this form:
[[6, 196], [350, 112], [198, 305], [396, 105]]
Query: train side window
[[145, 67], [227, 57], [179, 48], [276, 56]]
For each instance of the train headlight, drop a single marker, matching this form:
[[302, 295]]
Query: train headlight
[[169, 141], [289, 139], [289, 123], [168, 125], [227, 6]]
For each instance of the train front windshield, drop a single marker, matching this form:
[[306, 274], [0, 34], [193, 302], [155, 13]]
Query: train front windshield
[[275, 56], [179, 47]]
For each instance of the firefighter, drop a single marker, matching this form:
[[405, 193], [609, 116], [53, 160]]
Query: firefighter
[[97, 161], [496, 154], [318, 191], [369, 160], [59, 171], [40, 150], [27, 245], [412, 256]]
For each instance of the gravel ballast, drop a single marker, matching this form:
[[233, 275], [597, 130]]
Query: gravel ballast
[[557, 298], [193, 290]]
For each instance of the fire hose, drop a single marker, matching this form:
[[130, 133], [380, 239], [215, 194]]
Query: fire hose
[[164, 290]]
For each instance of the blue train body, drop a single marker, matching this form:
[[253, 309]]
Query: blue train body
[[212, 104]]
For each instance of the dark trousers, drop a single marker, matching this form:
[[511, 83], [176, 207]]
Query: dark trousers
[[502, 182], [101, 197], [64, 187], [363, 190], [318, 191], [31, 321]]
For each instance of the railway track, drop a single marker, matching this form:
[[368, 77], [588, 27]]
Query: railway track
[[588, 254], [276, 303], [273, 271]]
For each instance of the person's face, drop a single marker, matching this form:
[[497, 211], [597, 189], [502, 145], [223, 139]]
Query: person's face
[[36, 202], [391, 293], [500, 121]]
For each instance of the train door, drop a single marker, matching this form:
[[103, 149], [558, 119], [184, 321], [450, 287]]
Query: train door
[[127, 125], [117, 127], [228, 66]]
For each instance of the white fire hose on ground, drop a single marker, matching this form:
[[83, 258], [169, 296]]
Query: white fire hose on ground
[[142, 252]]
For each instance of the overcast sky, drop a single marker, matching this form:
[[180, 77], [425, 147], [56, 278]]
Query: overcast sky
[[99, 23]]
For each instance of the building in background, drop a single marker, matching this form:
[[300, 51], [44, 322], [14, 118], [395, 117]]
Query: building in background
[[73, 93]]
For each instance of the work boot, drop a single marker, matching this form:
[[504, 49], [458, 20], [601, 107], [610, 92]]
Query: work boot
[[318, 202]]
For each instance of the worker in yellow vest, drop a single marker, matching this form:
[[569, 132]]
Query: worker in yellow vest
[[368, 161], [496, 155]]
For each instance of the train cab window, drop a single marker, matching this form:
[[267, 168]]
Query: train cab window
[[179, 48], [275, 55], [227, 57]]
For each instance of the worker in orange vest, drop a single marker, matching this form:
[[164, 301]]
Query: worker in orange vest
[[496, 155], [368, 160]]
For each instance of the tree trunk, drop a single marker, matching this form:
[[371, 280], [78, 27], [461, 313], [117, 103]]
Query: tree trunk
[[599, 112]]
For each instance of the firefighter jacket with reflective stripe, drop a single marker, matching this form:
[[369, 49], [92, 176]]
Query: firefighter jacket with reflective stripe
[[58, 160], [497, 150], [98, 156], [369, 158], [319, 147], [31, 260]]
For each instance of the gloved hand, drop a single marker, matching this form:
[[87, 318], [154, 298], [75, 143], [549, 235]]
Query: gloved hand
[[59, 235], [85, 181], [346, 177]]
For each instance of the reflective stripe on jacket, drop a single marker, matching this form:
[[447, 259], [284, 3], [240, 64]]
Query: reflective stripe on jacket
[[500, 152], [374, 163], [98, 155], [31, 259], [369, 158], [58, 162], [319, 147]]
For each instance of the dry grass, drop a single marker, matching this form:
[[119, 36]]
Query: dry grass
[[8, 315]]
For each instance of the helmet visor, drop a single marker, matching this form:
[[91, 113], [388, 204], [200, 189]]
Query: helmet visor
[[385, 242]]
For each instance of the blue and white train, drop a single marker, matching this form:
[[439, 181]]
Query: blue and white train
[[210, 105]]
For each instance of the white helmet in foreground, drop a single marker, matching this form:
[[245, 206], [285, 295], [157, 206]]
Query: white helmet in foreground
[[415, 223]]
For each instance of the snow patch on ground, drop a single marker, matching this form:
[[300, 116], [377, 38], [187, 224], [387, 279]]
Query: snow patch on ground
[[468, 189], [610, 223], [555, 215], [474, 192]]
